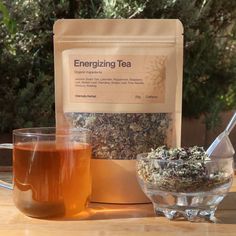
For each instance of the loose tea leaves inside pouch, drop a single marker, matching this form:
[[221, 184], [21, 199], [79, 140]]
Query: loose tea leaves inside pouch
[[123, 80]]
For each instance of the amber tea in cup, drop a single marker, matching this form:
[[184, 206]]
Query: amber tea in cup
[[51, 171]]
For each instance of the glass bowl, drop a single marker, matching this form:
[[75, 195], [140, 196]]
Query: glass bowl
[[189, 189]]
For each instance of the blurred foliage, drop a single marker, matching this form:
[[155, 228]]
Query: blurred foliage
[[26, 53]]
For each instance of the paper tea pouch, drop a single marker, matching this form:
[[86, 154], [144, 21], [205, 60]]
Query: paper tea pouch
[[121, 78]]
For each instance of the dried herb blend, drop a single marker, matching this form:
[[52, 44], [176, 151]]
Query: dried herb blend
[[122, 136], [181, 170]]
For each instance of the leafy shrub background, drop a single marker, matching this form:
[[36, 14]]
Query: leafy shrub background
[[26, 53]]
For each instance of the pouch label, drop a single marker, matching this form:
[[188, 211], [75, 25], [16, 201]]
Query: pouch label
[[123, 79]]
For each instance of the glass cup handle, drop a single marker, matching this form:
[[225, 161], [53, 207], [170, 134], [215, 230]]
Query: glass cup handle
[[3, 183]]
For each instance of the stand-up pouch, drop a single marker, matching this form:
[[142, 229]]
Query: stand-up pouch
[[123, 80]]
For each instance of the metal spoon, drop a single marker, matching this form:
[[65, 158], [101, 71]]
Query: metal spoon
[[221, 146]]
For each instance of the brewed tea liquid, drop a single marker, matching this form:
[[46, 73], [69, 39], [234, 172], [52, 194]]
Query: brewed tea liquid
[[51, 178]]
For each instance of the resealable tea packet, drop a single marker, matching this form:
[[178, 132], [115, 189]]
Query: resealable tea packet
[[121, 78]]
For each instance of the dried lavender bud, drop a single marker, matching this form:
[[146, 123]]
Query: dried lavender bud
[[180, 170], [123, 135]]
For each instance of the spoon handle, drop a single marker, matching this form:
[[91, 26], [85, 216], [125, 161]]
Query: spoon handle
[[231, 124]]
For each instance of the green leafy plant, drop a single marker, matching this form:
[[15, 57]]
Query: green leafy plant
[[26, 53]]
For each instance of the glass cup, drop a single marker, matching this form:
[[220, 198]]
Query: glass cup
[[51, 171]]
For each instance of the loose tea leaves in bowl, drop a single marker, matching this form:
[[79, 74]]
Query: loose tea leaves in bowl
[[184, 182], [182, 170]]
